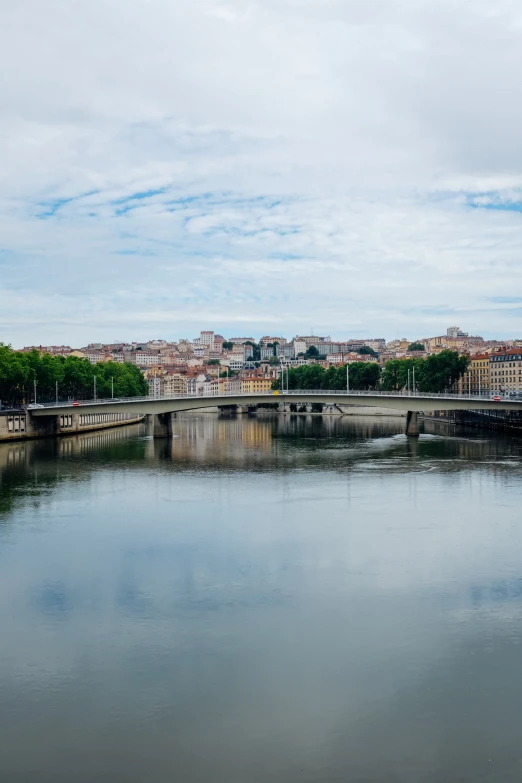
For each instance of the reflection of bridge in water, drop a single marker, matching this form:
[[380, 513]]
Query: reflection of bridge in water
[[54, 417], [267, 442]]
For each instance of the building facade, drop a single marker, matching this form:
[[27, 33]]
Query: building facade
[[506, 372]]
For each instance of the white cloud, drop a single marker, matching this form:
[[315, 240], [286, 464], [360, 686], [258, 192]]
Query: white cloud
[[322, 160]]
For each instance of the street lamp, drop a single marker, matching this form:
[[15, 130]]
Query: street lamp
[[347, 377], [95, 388], [34, 382], [112, 387]]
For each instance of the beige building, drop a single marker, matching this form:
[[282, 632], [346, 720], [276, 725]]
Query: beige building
[[174, 384], [255, 384], [477, 378], [506, 372]]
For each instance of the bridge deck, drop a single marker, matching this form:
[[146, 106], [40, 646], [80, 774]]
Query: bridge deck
[[396, 401]]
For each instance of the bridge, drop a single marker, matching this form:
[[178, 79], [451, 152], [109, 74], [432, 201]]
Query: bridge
[[64, 415]]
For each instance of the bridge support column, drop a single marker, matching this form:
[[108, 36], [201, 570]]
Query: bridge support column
[[412, 424], [161, 425]]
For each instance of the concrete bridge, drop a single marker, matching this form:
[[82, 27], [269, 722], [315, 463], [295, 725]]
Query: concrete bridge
[[66, 417]]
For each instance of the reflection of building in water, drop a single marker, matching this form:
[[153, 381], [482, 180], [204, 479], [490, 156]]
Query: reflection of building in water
[[199, 435]]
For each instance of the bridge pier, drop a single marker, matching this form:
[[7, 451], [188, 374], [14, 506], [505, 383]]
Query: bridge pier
[[161, 424], [412, 424]]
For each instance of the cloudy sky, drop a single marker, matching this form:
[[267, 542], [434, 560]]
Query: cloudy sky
[[260, 166]]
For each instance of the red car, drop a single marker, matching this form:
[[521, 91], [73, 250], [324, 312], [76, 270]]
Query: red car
[[75, 403], [496, 398]]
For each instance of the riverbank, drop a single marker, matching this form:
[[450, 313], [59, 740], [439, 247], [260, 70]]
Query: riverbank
[[20, 425]]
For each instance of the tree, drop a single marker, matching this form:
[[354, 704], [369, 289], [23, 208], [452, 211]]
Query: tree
[[416, 347], [213, 362], [227, 346], [433, 374], [365, 350], [19, 370], [312, 352], [363, 375], [442, 371]]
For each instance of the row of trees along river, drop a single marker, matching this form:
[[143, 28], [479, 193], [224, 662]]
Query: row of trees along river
[[72, 375], [435, 373]]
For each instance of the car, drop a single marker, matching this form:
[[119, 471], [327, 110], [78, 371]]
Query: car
[[496, 398], [35, 405], [75, 403]]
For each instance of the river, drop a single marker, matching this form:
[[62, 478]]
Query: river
[[272, 599]]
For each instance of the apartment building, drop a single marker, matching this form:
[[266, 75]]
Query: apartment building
[[156, 388], [207, 338], [477, 378], [95, 356], [506, 371], [174, 384], [254, 384], [265, 341]]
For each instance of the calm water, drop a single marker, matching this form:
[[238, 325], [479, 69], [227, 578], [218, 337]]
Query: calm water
[[272, 599]]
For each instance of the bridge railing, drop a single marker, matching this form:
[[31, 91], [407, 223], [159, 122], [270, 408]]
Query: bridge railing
[[277, 396]]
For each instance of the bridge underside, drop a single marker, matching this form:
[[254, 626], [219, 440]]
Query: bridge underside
[[161, 409]]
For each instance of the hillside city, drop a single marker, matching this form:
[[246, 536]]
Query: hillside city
[[211, 363]]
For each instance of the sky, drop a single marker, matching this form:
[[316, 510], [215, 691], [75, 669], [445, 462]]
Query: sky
[[259, 167]]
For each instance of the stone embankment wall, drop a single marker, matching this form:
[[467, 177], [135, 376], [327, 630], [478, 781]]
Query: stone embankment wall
[[20, 425]]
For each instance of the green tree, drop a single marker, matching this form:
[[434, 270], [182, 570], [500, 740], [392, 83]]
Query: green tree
[[312, 352], [363, 375], [365, 350], [227, 346], [416, 347], [433, 374], [255, 356], [19, 370], [440, 372]]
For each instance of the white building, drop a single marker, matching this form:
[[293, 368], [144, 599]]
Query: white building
[[95, 356], [155, 387], [143, 359], [207, 338]]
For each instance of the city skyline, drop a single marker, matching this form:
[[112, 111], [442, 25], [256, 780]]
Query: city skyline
[[334, 337]]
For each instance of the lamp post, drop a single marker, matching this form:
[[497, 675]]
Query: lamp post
[[57, 392], [347, 377], [112, 387], [34, 384], [95, 388], [413, 372]]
